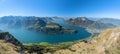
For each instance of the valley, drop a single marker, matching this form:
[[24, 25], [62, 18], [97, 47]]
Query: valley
[[56, 35]]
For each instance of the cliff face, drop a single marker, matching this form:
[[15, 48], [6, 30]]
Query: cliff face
[[106, 43]]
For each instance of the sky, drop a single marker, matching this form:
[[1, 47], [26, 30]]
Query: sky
[[63, 8]]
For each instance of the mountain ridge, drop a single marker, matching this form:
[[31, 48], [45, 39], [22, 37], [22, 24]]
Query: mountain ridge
[[90, 25]]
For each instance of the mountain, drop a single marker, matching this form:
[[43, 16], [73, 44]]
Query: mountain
[[98, 27], [94, 18], [110, 20], [19, 21], [37, 24], [80, 21], [90, 25], [106, 43]]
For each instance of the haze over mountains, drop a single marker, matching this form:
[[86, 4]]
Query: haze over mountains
[[37, 23], [58, 25], [72, 27]]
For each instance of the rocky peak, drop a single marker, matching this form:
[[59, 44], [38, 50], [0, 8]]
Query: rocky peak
[[80, 21], [9, 38], [82, 18], [9, 44]]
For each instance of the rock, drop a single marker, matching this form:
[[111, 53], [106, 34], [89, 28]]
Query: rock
[[9, 38], [9, 44]]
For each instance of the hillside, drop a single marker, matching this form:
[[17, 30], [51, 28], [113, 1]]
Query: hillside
[[106, 43], [9, 38], [110, 20], [8, 48], [90, 25], [9, 44]]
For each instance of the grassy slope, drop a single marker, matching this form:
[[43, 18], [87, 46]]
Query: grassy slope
[[106, 43], [7, 48]]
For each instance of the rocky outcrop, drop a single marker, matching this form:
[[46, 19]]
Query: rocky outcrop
[[9, 38], [9, 44], [106, 43]]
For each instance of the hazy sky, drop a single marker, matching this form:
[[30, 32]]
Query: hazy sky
[[72, 8]]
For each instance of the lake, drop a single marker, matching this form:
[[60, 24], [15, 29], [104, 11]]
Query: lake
[[27, 36]]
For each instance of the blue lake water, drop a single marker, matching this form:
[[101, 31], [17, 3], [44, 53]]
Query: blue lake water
[[24, 35]]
